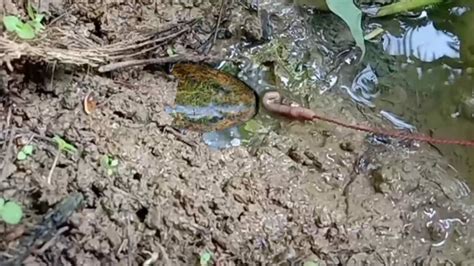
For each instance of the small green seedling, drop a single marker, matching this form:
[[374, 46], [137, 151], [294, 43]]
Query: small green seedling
[[110, 164], [205, 259], [171, 51], [27, 30], [63, 145], [25, 152], [10, 212], [311, 263]]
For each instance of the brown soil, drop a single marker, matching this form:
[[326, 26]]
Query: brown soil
[[327, 194]]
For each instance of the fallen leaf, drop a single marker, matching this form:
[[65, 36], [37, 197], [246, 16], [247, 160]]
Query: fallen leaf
[[352, 16], [90, 104]]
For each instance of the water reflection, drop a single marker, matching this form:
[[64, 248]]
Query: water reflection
[[426, 77], [424, 42], [224, 139]]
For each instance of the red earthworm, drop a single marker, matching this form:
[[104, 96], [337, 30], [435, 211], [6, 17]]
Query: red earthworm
[[272, 103]]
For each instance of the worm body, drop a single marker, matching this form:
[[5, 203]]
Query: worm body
[[272, 101]]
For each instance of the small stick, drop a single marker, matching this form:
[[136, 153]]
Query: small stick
[[56, 159], [163, 60], [207, 45], [9, 146], [152, 41], [223, 4]]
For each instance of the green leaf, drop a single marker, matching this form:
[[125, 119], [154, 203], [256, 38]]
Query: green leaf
[[21, 156], [114, 163], [2, 203], [105, 160], [352, 16], [39, 18], [205, 258], [63, 145], [31, 11], [11, 213], [27, 149], [403, 6], [36, 24], [11, 23], [170, 51], [25, 31]]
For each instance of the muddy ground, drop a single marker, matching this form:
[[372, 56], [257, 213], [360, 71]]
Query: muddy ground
[[328, 195]]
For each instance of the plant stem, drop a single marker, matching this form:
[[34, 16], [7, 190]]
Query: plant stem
[[56, 159], [404, 5]]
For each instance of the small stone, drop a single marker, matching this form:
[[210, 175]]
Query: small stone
[[295, 155], [228, 228], [437, 231], [347, 146]]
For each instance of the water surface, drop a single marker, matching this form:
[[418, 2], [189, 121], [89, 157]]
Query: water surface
[[423, 74]]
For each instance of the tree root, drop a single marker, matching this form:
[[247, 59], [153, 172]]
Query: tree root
[[61, 46]]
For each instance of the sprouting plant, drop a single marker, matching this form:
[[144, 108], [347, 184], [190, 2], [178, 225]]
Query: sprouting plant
[[171, 51], [205, 258], [25, 152], [10, 212], [63, 145], [27, 30], [110, 164]]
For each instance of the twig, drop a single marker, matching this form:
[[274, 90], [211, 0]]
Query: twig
[[208, 44], [9, 146], [56, 159], [163, 60], [223, 2], [153, 41], [52, 75]]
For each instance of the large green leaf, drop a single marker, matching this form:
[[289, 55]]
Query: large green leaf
[[352, 15]]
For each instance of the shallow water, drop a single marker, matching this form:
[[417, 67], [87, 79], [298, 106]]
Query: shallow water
[[430, 83], [416, 75]]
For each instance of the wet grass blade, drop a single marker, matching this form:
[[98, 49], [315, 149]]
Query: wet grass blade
[[403, 6]]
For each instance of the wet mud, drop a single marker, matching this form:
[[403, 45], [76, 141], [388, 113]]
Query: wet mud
[[308, 192]]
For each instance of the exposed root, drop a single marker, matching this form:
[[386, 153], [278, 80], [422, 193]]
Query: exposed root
[[62, 46]]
